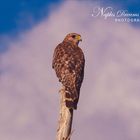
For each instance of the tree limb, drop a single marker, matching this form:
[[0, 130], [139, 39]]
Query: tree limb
[[65, 119]]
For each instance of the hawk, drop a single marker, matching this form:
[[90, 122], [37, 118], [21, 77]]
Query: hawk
[[68, 63]]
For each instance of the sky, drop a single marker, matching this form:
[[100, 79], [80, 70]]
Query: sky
[[27, 11], [109, 106]]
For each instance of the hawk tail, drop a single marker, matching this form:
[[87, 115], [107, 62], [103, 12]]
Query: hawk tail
[[71, 99]]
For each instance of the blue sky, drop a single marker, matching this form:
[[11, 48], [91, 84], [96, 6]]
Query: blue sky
[[20, 15], [29, 96], [16, 15]]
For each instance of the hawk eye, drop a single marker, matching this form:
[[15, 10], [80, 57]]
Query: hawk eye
[[73, 36]]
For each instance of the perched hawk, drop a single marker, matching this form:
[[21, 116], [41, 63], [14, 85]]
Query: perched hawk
[[68, 63]]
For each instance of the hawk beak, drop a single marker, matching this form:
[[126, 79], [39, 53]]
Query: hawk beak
[[79, 38]]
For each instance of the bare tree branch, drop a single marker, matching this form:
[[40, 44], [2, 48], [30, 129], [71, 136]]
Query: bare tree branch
[[65, 119]]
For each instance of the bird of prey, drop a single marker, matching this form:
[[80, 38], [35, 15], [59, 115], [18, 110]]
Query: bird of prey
[[68, 63]]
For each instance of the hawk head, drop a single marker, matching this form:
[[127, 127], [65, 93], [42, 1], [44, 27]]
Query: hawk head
[[73, 37]]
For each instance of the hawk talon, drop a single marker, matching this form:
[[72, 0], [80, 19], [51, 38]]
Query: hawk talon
[[61, 90]]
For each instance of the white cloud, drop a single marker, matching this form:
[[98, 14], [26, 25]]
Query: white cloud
[[109, 106]]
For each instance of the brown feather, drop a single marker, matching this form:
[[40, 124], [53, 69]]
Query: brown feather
[[68, 63]]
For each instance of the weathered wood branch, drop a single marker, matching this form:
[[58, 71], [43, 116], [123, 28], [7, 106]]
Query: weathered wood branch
[[65, 119]]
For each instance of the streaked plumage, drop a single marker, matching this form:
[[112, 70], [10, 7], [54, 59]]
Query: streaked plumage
[[68, 63]]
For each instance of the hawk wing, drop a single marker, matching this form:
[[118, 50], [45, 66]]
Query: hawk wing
[[68, 63]]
